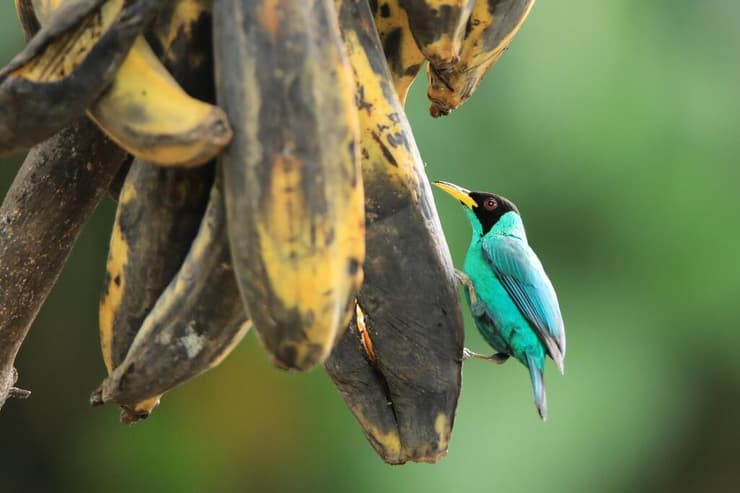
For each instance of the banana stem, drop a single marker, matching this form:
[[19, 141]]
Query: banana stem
[[58, 187]]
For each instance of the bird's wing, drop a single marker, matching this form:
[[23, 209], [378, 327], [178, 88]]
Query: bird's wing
[[521, 273]]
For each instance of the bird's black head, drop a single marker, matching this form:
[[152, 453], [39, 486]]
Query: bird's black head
[[486, 207]]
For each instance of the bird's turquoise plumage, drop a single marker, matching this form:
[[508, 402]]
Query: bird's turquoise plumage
[[517, 310], [511, 298]]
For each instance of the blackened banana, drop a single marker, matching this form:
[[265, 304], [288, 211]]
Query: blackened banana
[[293, 187], [159, 212], [194, 325], [405, 399]]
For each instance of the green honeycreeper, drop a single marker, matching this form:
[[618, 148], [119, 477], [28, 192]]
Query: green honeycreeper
[[511, 298]]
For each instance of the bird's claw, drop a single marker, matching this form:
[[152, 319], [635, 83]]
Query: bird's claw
[[498, 358], [462, 278]]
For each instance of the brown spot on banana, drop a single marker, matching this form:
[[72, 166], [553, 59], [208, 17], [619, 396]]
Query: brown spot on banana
[[294, 195]]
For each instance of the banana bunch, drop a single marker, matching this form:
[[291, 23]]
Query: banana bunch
[[265, 175]]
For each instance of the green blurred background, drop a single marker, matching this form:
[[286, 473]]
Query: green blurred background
[[614, 127]]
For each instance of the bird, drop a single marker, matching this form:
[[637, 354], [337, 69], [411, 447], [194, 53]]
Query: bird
[[511, 299]]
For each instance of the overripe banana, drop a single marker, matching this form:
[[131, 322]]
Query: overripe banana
[[409, 298], [438, 27], [194, 325], [146, 112], [66, 66], [403, 56], [159, 209], [493, 25], [293, 188]]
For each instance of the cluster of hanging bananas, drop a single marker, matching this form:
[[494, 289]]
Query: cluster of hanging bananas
[[275, 183]]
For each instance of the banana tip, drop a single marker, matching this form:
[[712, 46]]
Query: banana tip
[[130, 416], [96, 398]]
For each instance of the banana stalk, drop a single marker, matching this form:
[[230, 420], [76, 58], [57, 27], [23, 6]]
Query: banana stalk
[[293, 188], [66, 66], [493, 25], [43, 213], [406, 394]]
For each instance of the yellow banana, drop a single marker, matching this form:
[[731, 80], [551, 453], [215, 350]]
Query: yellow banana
[[406, 394], [403, 56], [494, 23], [65, 66], [438, 27], [195, 324], [148, 114], [293, 188]]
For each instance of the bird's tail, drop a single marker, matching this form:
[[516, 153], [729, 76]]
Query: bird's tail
[[538, 386]]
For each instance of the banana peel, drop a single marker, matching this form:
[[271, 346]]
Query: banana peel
[[404, 395], [293, 188], [493, 25], [401, 52], [66, 66]]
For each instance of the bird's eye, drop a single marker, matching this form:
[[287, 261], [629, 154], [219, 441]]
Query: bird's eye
[[490, 203]]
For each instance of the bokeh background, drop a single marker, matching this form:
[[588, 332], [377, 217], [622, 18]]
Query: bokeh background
[[615, 126]]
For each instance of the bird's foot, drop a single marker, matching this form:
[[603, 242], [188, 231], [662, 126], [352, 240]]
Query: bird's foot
[[498, 358], [464, 279]]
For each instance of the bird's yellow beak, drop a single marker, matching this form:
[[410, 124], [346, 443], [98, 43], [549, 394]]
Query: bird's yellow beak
[[459, 193]]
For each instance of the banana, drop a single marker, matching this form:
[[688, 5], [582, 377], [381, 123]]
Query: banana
[[406, 394], [160, 209], [55, 192], [294, 195], [403, 56], [148, 114], [438, 27], [66, 66], [493, 25], [194, 325]]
